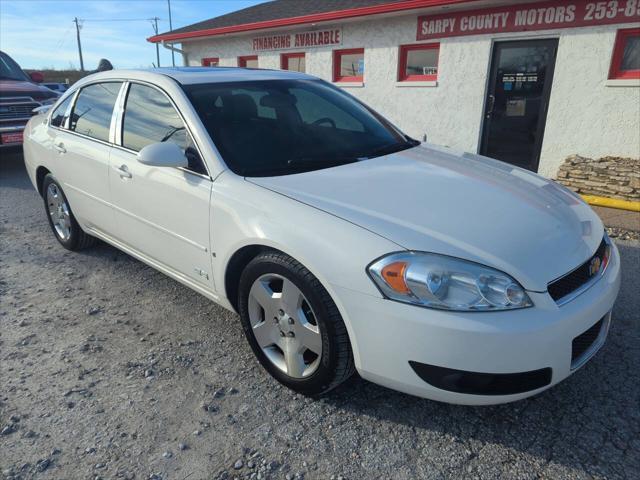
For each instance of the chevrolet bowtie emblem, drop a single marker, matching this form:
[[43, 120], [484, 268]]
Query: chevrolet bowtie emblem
[[594, 266]]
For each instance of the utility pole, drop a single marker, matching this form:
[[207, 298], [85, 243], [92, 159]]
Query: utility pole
[[76, 21], [173, 55], [155, 29]]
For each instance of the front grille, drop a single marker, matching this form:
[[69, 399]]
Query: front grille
[[583, 342], [11, 111], [572, 281]]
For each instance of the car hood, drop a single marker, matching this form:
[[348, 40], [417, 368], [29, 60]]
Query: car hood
[[18, 88], [464, 205]]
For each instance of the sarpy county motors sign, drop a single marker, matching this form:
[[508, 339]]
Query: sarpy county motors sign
[[528, 17], [283, 41]]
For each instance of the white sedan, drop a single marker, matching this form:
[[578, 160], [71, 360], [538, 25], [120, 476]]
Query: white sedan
[[343, 244]]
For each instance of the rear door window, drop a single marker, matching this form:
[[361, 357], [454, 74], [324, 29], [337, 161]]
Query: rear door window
[[93, 110]]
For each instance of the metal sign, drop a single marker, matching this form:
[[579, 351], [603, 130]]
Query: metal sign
[[528, 17]]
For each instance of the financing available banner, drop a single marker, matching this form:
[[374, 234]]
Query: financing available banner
[[310, 39]]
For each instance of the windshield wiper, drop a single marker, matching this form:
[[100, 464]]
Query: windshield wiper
[[299, 165], [303, 161], [387, 149]]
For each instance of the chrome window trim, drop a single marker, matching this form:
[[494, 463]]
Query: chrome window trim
[[595, 346], [81, 135], [587, 285], [117, 112], [120, 125]]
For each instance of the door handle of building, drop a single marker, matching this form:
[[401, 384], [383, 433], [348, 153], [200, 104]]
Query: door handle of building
[[490, 103], [60, 147], [123, 171]]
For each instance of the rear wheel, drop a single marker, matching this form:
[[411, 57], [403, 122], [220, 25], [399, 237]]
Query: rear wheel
[[293, 325], [61, 219]]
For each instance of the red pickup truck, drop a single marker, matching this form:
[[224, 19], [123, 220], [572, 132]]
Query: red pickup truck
[[20, 94]]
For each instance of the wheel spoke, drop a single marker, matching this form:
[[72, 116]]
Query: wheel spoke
[[291, 296], [309, 337], [264, 333], [263, 295], [293, 359]]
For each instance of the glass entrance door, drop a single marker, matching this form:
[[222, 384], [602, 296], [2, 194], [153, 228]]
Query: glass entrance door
[[517, 100]]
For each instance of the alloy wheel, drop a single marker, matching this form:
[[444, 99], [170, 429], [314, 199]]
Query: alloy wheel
[[284, 325], [59, 212]]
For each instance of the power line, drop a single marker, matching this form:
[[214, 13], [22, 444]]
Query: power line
[[80, 21], [119, 19]]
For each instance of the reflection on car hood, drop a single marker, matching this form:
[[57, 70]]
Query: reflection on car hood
[[433, 199], [18, 88]]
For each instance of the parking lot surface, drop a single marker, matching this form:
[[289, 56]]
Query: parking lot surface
[[109, 369]]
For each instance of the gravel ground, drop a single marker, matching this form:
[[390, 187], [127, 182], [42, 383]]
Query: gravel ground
[[109, 369]]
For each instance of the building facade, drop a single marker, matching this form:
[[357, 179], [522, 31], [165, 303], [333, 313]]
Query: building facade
[[530, 83]]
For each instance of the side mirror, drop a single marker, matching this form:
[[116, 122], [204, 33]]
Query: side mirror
[[164, 154], [36, 77]]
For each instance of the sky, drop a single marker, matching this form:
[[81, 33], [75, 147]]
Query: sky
[[41, 34]]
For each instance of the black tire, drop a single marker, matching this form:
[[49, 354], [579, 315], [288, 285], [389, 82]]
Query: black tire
[[336, 363], [78, 239]]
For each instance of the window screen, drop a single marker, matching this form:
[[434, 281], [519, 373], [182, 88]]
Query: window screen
[[631, 54], [94, 107], [294, 62], [419, 62], [348, 64]]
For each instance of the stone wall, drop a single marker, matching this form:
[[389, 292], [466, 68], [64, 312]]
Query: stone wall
[[611, 177]]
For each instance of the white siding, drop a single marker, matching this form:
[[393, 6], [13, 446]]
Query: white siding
[[585, 115]]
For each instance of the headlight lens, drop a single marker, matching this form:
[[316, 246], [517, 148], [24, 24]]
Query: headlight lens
[[448, 283]]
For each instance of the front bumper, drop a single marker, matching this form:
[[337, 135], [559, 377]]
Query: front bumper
[[386, 336]]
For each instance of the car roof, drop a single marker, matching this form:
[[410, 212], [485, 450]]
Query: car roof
[[196, 75]]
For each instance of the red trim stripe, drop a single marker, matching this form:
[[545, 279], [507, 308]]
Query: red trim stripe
[[313, 18]]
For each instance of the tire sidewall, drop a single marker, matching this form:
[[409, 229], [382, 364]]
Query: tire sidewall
[[74, 237], [299, 275]]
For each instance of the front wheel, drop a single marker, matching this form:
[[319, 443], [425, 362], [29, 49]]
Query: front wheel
[[293, 325], [61, 220]]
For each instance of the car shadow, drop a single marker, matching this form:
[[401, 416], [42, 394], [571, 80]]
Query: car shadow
[[13, 173], [584, 422]]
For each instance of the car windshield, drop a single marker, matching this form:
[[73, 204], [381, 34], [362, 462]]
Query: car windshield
[[279, 127], [10, 70]]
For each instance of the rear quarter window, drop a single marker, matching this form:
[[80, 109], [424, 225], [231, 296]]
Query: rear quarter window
[[59, 115]]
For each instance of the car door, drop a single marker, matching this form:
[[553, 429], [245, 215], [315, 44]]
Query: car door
[[161, 212], [81, 136]]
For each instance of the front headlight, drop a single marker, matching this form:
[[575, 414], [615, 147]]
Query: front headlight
[[448, 283]]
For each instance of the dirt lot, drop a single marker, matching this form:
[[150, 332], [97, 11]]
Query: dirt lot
[[109, 370]]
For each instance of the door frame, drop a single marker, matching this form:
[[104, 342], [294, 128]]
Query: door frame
[[492, 72]]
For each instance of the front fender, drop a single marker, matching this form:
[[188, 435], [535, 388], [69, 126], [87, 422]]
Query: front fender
[[337, 252]]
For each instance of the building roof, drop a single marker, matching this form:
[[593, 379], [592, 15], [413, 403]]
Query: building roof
[[280, 13]]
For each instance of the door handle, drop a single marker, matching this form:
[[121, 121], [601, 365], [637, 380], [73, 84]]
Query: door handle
[[490, 103], [60, 147], [123, 171]]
